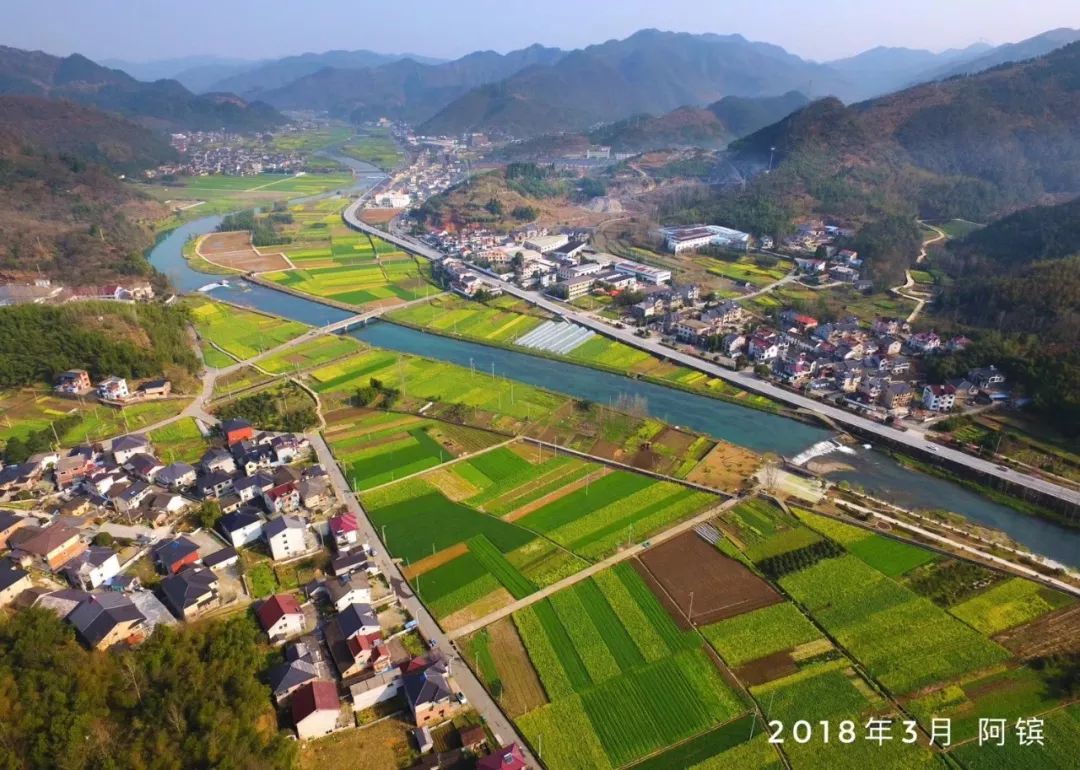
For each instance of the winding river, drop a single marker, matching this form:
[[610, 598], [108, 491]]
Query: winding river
[[874, 471]]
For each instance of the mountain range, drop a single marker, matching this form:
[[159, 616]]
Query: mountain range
[[162, 104]]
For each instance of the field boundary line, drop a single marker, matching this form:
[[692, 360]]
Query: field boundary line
[[592, 569]]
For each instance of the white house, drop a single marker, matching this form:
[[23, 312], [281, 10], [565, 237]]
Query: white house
[[281, 617], [939, 398], [348, 590], [92, 568], [377, 689], [113, 389], [241, 527], [285, 535], [315, 709]]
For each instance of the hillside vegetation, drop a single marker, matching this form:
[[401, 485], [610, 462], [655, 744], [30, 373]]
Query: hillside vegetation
[[64, 213], [37, 342]]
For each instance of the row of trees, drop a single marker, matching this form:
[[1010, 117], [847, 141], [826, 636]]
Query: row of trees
[[283, 408]]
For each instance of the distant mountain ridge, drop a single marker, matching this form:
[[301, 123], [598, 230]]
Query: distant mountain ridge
[[163, 104], [265, 76], [883, 69], [649, 72], [405, 89]]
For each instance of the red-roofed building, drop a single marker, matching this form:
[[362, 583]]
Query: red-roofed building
[[281, 617], [345, 530], [506, 758], [315, 709], [235, 431]]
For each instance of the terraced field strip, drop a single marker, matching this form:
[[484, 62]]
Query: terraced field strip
[[512, 580]]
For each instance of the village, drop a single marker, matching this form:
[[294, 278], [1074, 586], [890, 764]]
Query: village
[[116, 542], [873, 366]]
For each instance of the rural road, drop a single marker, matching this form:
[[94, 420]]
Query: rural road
[[750, 382], [909, 281], [467, 682], [600, 566]]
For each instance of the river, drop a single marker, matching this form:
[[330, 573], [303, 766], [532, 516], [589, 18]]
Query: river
[[874, 471]]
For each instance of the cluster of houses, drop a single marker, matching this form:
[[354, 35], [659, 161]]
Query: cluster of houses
[[43, 291], [872, 369], [76, 383], [221, 152], [66, 542]]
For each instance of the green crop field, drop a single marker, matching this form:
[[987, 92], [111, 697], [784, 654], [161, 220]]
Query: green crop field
[[1009, 604], [179, 442], [219, 194], [358, 271], [617, 695], [241, 333], [746, 269], [1060, 746], [727, 746], [884, 554], [1010, 695], [832, 692], [492, 559], [375, 146], [454, 585], [904, 640], [593, 520], [497, 321], [759, 633], [316, 352]]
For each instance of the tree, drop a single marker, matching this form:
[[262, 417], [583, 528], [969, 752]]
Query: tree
[[103, 539], [208, 514]]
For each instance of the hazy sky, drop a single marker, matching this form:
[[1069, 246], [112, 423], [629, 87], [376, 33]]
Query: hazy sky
[[819, 29]]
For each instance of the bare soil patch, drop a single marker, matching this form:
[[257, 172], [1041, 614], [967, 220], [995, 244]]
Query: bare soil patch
[[766, 669], [234, 250], [522, 691], [435, 560], [378, 216], [725, 467], [721, 587], [1056, 632], [528, 508]]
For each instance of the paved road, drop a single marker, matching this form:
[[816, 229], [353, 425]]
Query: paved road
[[750, 382], [463, 675], [600, 566]]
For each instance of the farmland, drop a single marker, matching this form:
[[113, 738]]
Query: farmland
[[461, 395], [508, 519], [375, 146], [504, 320], [179, 442], [28, 409], [1009, 604], [377, 448], [904, 640], [240, 333], [892, 557], [622, 680], [752, 635], [833, 692], [317, 352], [353, 269], [220, 194]]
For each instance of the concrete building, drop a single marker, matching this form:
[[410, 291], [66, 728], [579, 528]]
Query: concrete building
[[315, 709], [286, 537], [281, 617]]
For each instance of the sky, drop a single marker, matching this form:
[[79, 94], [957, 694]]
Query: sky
[[145, 30]]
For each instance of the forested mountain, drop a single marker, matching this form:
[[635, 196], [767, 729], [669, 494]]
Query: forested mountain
[[650, 72], [405, 89], [969, 146], [882, 69], [163, 104], [64, 212], [259, 77], [1029, 235], [196, 73], [706, 127]]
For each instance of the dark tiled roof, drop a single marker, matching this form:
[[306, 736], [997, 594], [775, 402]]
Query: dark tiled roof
[[186, 587], [287, 676], [98, 615], [172, 551]]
